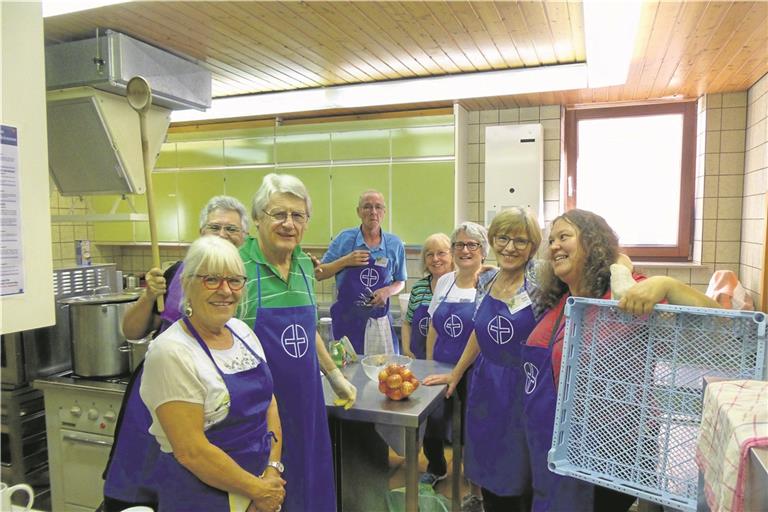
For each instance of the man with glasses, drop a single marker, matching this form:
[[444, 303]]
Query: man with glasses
[[369, 266]]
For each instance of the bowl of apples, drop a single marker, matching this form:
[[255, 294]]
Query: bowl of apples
[[393, 375]]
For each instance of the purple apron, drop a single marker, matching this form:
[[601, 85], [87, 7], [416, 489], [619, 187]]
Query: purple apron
[[288, 338], [349, 317], [496, 456], [242, 435], [419, 330], [128, 476], [551, 492], [453, 324], [173, 296]]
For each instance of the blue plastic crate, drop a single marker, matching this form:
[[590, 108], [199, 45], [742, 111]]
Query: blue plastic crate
[[630, 393]]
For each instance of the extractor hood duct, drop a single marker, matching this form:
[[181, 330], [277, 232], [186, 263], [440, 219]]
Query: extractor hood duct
[[94, 141]]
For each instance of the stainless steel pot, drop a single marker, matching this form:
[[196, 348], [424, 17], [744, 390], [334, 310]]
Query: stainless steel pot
[[136, 350], [95, 323]]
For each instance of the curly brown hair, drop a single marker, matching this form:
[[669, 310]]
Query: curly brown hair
[[601, 247]]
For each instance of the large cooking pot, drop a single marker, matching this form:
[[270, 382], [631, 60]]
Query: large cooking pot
[[95, 324]]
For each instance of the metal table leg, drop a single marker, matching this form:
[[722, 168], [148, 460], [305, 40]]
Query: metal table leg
[[456, 446], [412, 469]]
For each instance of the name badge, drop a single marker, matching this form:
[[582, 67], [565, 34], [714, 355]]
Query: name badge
[[381, 261], [518, 302]]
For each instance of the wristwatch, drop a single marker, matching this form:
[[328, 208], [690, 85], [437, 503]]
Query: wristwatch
[[277, 465]]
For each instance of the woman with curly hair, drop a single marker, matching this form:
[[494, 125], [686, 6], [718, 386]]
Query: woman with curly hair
[[582, 247]]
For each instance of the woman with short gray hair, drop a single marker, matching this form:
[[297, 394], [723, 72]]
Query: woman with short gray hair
[[452, 310]]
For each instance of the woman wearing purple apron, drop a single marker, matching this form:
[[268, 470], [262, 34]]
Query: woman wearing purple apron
[[452, 310], [582, 248], [126, 477], [210, 394], [495, 454], [281, 308]]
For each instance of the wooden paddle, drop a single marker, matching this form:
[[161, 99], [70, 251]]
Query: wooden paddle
[[139, 97]]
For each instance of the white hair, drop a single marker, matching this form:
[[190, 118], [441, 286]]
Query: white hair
[[274, 183]]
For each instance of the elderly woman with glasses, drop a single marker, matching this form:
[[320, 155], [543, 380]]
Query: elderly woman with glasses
[[127, 480], [210, 393], [452, 310], [281, 308], [495, 455], [223, 216], [436, 261]]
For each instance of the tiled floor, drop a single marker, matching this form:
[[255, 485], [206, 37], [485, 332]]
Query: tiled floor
[[397, 473]]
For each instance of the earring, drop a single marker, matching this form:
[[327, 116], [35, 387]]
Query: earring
[[187, 309]]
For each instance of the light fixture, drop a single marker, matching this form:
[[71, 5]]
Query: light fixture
[[57, 7], [610, 29], [415, 90]]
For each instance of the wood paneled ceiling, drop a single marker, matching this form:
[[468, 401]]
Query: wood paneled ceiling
[[683, 49]]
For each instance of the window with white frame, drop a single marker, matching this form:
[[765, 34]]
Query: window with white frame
[[634, 166]]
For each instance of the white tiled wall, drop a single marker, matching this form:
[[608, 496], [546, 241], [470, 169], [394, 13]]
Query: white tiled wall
[[755, 186], [549, 117]]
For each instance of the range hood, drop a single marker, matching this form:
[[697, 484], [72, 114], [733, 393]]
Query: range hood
[[94, 142]]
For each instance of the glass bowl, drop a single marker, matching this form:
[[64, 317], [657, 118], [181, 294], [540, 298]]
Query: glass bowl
[[375, 363]]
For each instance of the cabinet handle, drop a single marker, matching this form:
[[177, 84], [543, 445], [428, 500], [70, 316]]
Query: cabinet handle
[[86, 440]]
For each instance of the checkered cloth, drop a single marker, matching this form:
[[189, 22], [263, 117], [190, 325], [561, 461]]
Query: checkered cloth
[[734, 419]]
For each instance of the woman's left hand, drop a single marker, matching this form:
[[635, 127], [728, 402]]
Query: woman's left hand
[[442, 379], [640, 298]]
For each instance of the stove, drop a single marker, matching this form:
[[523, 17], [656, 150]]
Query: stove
[[80, 418]]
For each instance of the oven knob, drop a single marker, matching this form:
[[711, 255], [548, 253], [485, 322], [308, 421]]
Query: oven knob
[[109, 416], [75, 411], [93, 414]]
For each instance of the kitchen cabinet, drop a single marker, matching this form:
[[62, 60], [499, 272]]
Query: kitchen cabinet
[[250, 151], [317, 180], [360, 145], [303, 147], [200, 154], [193, 190], [347, 183], [423, 141], [422, 199]]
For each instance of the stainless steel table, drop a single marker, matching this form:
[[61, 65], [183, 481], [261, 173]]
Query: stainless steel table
[[372, 407]]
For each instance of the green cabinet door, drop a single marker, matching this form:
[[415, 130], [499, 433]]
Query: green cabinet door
[[242, 184], [197, 154], [422, 200], [193, 190], [166, 209], [110, 231], [317, 180], [347, 184]]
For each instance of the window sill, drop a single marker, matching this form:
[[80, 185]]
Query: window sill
[[671, 264]]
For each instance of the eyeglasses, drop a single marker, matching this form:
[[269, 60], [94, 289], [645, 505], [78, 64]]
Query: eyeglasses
[[371, 207], [518, 243], [230, 229], [298, 218], [214, 282], [471, 246]]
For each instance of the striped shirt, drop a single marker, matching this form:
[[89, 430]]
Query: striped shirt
[[421, 293], [275, 292]]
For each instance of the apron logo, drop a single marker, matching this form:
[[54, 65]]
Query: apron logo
[[453, 326], [531, 374], [500, 330], [295, 340], [369, 277], [424, 326]]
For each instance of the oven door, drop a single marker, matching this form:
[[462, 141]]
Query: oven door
[[86, 457]]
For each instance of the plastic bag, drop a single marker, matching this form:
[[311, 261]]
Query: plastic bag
[[429, 500], [378, 337]]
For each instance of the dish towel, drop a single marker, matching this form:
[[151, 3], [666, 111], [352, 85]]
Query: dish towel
[[733, 420]]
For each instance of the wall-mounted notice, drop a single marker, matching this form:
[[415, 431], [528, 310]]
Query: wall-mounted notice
[[11, 263]]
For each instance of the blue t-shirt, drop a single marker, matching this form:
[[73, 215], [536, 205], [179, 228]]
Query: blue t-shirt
[[352, 239]]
